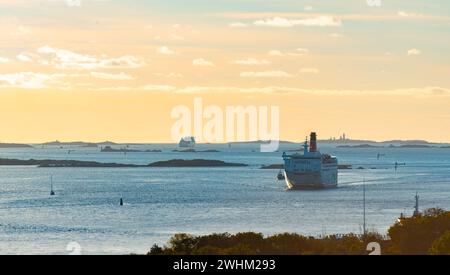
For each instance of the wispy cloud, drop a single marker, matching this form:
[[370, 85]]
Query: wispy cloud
[[107, 76], [65, 59], [202, 62], [4, 60], [24, 57], [158, 88], [169, 75], [309, 71], [26, 80], [31, 80], [275, 53], [409, 14], [296, 52], [252, 62], [238, 25], [321, 21], [266, 74], [413, 51], [165, 51]]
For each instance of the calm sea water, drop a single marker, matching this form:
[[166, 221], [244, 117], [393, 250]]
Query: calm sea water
[[162, 201]]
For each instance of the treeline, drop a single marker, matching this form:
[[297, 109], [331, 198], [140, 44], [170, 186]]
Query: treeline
[[428, 233]]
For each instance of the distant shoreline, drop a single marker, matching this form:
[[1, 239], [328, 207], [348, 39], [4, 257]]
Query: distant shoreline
[[48, 163], [341, 142]]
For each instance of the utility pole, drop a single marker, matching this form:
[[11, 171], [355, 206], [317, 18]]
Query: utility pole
[[364, 207], [416, 207]]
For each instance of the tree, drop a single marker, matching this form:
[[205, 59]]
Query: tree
[[441, 246], [182, 244], [156, 250], [415, 235]]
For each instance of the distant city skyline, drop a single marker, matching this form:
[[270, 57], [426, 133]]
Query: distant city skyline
[[114, 70]]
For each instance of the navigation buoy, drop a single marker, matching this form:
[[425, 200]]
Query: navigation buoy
[[52, 193], [121, 202]]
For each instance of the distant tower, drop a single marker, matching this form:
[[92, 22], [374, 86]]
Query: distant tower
[[343, 136], [416, 207]]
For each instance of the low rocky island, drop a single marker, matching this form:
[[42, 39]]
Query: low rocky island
[[195, 163], [109, 149], [359, 146], [14, 145], [48, 163]]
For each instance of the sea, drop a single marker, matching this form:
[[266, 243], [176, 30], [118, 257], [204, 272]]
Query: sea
[[85, 216]]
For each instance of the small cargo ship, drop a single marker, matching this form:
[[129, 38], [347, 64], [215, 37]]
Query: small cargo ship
[[310, 169]]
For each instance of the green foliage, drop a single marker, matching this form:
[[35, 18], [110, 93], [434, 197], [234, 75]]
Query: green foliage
[[156, 250], [416, 235], [427, 233], [441, 246]]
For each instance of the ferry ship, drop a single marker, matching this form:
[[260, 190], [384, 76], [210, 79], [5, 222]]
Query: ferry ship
[[310, 169], [187, 142]]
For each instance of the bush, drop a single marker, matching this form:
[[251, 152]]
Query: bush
[[441, 246]]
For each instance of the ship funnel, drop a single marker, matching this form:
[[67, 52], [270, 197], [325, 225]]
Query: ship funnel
[[313, 142]]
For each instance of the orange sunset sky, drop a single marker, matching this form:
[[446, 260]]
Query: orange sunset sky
[[114, 70]]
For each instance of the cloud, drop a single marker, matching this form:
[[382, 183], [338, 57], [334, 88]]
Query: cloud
[[275, 53], [300, 51], [413, 51], [297, 52], [202, 62], [266, 74], [309, 71], [24, 57], [121, 76], [31, 80], [65, 59], [409, 14], [336, 35], [26, 80], [165, 51], [252, 62], [158, 88], [169, 75], [416, 92], [426, 92], [4, 60], [238, 25], [320, 21]]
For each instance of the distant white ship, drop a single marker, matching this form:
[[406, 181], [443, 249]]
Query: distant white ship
[[310, 170], [187, 142]]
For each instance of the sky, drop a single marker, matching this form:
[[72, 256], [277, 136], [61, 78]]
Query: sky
[[97, 70]]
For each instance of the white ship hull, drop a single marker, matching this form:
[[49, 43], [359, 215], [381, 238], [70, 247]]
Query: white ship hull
[[299, 181]]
